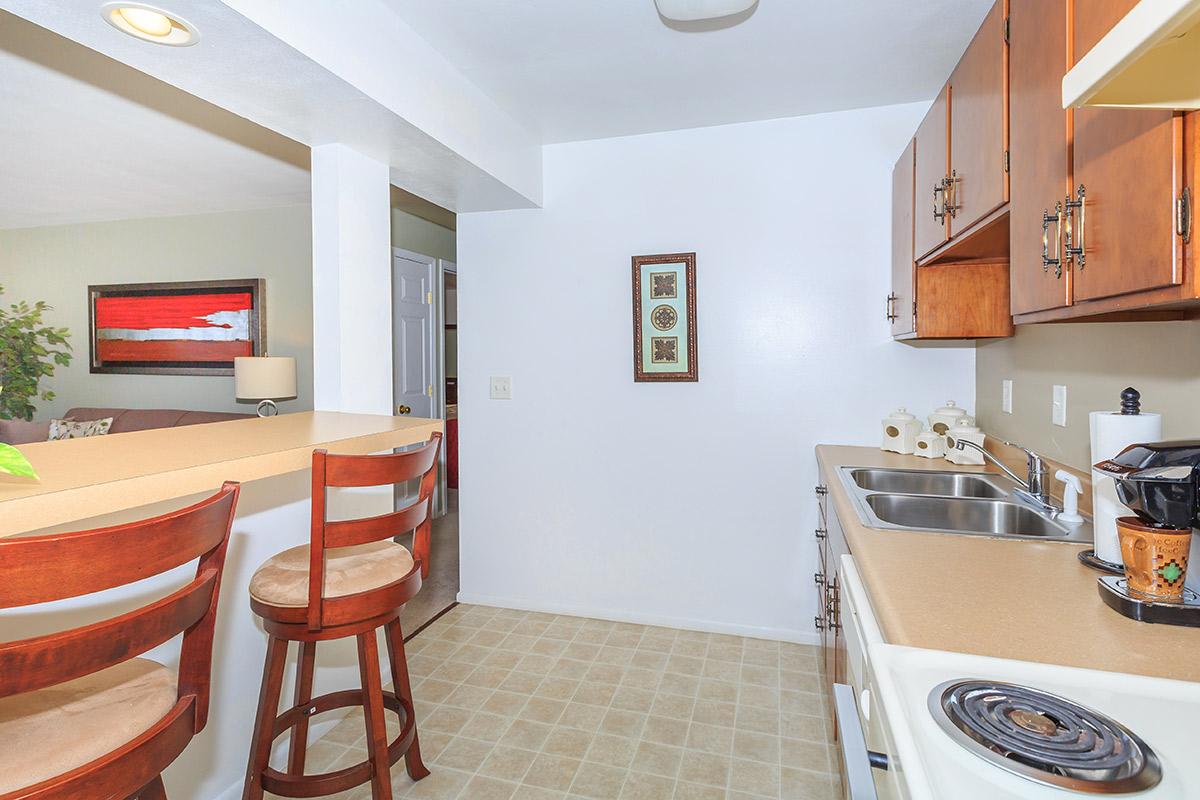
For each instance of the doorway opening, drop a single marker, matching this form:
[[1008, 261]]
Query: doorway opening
[[425, 384]]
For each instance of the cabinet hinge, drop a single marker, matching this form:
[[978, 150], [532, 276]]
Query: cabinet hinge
[[1183, 215], [1006, 30], [1006, 161]]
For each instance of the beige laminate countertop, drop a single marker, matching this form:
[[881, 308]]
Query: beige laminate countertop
[[83, 478], [1017, 599]]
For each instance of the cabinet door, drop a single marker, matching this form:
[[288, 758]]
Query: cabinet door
[[1038, 143], [1129, 161], [931, 227], [900, 302], [978, 125]]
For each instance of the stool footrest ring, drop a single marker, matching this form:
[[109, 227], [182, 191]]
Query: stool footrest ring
[[287, 784]]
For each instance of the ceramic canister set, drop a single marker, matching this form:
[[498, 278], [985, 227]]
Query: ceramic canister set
[[903, 433]]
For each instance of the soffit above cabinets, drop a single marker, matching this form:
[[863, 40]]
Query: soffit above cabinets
[[1150, 59]]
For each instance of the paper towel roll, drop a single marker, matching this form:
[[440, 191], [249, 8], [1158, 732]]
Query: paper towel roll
[[1111, 433]]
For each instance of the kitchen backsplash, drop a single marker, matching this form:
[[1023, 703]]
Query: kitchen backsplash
[[1095, 361]]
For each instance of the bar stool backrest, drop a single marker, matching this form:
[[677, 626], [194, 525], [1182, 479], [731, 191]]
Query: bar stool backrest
[[42, 569], [343, 471]]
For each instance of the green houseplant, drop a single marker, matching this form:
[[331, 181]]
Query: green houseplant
[[29, 351]]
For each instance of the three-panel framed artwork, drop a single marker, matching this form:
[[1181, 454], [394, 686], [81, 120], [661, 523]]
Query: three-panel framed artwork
[[664, 317]]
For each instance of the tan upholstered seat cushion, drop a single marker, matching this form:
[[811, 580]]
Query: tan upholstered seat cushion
[[52, 731], [282, 580]]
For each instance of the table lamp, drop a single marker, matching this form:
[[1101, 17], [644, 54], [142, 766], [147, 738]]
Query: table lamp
[[266, 379]]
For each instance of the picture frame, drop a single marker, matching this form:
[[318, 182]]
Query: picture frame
[[175, 327], [664, 318]]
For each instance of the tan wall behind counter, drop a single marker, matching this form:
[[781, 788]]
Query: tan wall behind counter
[[1095, 361]]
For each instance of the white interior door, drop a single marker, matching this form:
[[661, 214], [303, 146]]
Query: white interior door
[[413, 340]]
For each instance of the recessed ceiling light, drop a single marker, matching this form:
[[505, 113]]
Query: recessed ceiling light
[[695, 10], [150, 24]]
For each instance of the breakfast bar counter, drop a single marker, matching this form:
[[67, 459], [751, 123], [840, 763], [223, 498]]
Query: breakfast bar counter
[[107, 480], [97, 475], [1007, 598]]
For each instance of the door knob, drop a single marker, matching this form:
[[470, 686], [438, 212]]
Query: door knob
[[403, 409]]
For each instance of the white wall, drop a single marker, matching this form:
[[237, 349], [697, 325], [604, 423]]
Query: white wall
[[683, 504]]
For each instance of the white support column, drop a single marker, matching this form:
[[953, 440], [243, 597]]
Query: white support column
[[352, 274]]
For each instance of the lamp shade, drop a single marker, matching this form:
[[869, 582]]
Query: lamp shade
[[264, 377], [695, 10]]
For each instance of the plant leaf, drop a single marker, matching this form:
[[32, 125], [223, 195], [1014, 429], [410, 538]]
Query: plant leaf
[[14, 462]]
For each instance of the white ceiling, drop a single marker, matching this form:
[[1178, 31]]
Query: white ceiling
[[587, 69], [84, 138]]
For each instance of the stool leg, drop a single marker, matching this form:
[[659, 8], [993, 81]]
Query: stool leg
[[154, 790], [264, 721], [304, 682], [377, 744], [395, 645]]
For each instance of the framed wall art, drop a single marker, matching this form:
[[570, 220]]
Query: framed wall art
[[664, 317], [178, 328]]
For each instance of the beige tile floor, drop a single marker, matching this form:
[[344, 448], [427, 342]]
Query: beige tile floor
[[512, 704]]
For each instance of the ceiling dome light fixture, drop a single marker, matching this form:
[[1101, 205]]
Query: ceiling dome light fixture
[[696, 10], [150, 24]]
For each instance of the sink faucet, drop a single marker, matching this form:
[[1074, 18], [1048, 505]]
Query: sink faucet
[[1034, 488]]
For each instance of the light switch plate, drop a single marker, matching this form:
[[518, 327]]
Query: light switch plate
[[1006, 396], [500, 387], [1058, 405]]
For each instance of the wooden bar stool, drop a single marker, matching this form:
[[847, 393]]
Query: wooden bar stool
[[362, 581], [80, 716]]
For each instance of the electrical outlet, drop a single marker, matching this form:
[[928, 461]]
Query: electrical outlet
[[1006, 395], [1058, 405], [501, 388]]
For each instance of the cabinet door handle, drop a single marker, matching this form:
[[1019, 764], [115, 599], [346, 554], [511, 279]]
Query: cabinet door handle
[[860, 784], [1077, 248], [819, 578], [819, 623], [1056, 261], [951, 194], [939, 200], [822, 490], [891, 307], [820, 533]]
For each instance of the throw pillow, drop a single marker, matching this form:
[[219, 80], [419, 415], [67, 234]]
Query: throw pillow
[[70, 429]]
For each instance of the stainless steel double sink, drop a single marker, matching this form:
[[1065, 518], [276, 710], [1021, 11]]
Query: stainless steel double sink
[[979, 504]]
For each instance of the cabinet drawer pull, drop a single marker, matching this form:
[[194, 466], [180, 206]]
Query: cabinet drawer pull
[[1056, 261], [820, 533], [1077, 247]]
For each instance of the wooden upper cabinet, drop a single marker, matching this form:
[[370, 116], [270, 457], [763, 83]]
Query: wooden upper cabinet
[[900, 301], [931, 226], [979, 125], [1038, 58], [1130, 164]]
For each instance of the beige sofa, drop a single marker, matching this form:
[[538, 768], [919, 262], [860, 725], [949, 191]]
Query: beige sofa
[[124, 421]]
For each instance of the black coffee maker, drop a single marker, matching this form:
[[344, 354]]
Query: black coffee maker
[[1160, 483]]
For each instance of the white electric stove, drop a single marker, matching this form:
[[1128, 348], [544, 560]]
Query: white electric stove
[[962, 727], [1152, 752]]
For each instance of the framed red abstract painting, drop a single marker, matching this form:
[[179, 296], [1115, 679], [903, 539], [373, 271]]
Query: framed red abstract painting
[[179, 328]]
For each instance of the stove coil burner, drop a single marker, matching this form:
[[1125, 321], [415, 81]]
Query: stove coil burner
[[1044, 737]]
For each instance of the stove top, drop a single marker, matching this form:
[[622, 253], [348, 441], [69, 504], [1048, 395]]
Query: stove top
[[1044, 737]]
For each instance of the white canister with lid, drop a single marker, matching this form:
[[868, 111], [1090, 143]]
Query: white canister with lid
[[965, 430], [946, 417], [930, 445], [900, 431]]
